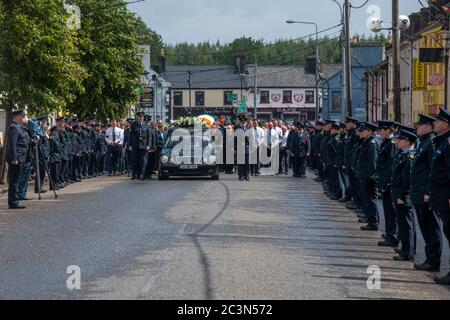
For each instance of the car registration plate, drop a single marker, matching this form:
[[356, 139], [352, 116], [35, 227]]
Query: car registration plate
[[188, 166]]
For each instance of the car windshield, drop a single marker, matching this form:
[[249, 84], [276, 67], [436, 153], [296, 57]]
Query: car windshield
[[204, 141]]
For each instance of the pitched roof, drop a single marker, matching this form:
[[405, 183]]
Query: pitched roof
[[226, 76], [204, 76], [293, 76]]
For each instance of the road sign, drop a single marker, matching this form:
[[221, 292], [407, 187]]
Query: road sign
[[147, 98], [242, 108]]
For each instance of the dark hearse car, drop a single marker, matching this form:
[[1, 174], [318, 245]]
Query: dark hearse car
[[188, 163]]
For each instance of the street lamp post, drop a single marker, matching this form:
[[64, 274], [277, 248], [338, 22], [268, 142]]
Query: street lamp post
[[317, 62]]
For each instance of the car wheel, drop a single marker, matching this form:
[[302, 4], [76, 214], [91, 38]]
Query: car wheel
[[162, 177]]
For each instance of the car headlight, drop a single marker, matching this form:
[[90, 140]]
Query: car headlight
[[164, 159]]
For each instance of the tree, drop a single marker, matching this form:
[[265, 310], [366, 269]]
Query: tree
[[38, 56], [108, 42]]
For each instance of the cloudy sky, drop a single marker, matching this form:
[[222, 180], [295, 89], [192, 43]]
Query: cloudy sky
[[225, 20]]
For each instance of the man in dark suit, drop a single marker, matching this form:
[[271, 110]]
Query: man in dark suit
[[140, 144], [16, 156]]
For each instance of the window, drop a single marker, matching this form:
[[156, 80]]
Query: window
[[227, 98], [336, 102], [310, 96], [287, 96], [199, 99], [265, 97], [177, 98]]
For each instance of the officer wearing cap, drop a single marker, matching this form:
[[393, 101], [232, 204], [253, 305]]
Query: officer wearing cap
[[43, 153], [351, 140], [55, 158], [140, 145], [342, 174], [401, 196], [301, 148], [323, 154], [366, 174], [422, 157], [385, 168], [440, 177], [16, 156], [315, 152], [331, 155], [126, 143]]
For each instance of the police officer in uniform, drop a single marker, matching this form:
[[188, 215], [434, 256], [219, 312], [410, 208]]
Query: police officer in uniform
[[350, 145], [422, 158], [385, 168], [139, 144], [43, 153], [331, 156], [366, 174], [16, 156], [440, 177], [401, 196]]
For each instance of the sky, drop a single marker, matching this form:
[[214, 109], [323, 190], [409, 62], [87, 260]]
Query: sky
[[225, 20]]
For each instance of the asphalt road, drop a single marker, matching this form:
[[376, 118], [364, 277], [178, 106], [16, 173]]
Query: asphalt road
[[270, 238]]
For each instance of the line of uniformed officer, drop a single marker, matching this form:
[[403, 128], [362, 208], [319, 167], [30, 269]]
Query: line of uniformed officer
[[409, 168]]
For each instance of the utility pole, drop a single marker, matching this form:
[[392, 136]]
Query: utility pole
[[348, 63], [255, 87], [190, 88], [396, 61]]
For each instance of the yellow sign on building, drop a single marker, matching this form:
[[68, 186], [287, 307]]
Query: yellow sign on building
[[420, 75]]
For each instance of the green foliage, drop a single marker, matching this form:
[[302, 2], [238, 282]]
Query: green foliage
[[284, 52], [108, 44], [38, 56]]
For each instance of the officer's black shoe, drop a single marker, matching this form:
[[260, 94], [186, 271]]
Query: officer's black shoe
[[388, 243], [241, 179], [384, 236], [359, 210], [18, 207], [445, 281], [401, 258], [369, 228], [427, 267], [247, 179], [397, 250], [363, 220], [361, 216], [343, 200]]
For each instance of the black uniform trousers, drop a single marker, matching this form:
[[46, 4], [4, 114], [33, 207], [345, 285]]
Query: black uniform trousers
[[299, 166], [354, 187], [41, 173], [369, 200], [54, 174], [76, 168], [14, 174], [431, 232], [406, 230], [445, 217], [62, 171], [390, 217], [140, 158], [244, 169]]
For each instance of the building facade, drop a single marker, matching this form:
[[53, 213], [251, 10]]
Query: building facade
[[364, 57]]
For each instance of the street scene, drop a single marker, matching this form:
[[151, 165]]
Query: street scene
[[304, 159]]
